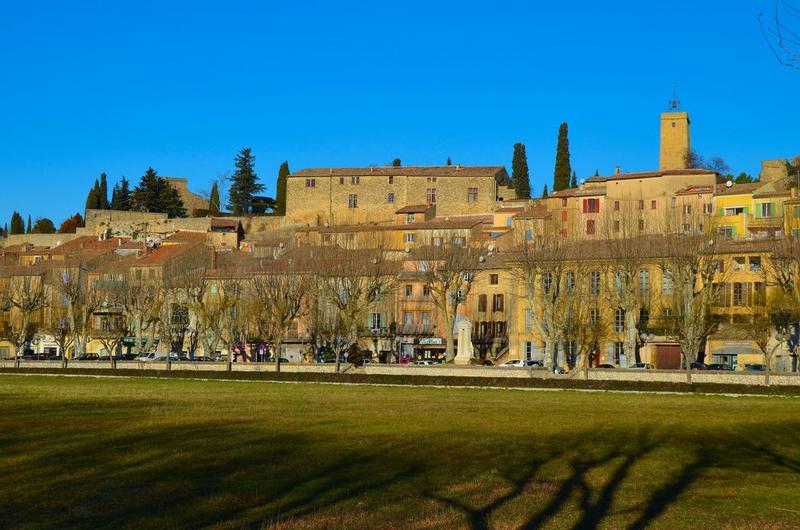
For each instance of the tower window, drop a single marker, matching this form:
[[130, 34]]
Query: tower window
[[673, 124]]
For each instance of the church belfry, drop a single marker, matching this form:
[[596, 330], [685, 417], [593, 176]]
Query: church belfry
[[675, 146]]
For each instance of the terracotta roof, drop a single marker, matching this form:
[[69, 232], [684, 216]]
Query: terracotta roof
[[694, 190], [187, 237], [588, 191], [738, 189], [162, 255], [651, 174], [413, 208], [498, 172], [537, 212], [225, 223]]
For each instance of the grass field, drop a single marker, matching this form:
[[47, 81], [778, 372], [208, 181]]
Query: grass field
[[144, 453]]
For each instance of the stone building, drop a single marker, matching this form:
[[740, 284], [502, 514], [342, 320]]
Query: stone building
[[336, 196]]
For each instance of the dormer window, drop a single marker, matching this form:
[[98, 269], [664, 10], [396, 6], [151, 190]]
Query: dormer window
[[410, 218]]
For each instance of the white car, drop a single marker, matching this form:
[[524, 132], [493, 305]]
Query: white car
[[521, 363], [157, 357], [643, 366], [424, 363]]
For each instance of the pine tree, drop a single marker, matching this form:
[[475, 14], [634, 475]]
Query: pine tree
[[17, 224], [44, 226], [396, 162], [213, 199], [121, 198], [562, 171], [519, 172], [154, 194], [30, 227], [573, 183], [244, 183], [102, 202], [544, 192], [280, 197]]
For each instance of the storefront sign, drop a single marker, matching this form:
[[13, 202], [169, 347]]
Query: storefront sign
[[431, 340]]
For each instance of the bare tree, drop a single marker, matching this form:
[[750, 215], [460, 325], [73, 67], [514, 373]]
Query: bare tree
[[629, 256], [551, 274], [26, 296], [280, 298], [80, 300], [587, 327], [142, 301], [353, 282], [782, 271], [449, 270], [694, 273], [781, 31], [57, 325]]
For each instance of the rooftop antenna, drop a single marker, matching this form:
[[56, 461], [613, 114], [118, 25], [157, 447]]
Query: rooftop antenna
[[674, 103]]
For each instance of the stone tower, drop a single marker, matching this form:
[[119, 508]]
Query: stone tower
[[675, 145]]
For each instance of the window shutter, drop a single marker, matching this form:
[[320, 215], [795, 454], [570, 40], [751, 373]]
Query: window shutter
[[585, 205]]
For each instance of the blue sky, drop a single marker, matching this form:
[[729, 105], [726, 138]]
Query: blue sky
[[182, 86]]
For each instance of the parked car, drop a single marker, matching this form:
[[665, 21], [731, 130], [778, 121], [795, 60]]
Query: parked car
[[606, 366], [423, 363], [54, 357], [755, 368], [719, 367], [126, 357], [272, 360], [87, 357], [157, 357], [698, 366], [643, 366], [513, 363], [202, 359], [558, 370]]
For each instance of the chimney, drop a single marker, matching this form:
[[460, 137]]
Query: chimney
[[617, 170]]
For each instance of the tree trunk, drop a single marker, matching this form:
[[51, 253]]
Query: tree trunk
[[630, 337], [278, 344]]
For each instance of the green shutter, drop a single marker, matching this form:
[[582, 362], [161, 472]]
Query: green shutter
[[722, 211]]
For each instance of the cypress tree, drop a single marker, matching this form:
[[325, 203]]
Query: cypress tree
[[30, 227], [17, 224], [544, 192], [573, 183], [519, 172], [213, 199], [244, 183], [563, 171], [102, 202], [93, 198], [449, 162], [596, 172], [280, 196]]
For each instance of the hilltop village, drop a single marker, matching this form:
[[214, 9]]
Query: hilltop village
[[430, 264]]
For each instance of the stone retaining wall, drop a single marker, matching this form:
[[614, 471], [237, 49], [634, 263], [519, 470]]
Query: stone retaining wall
[[643, 376]]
